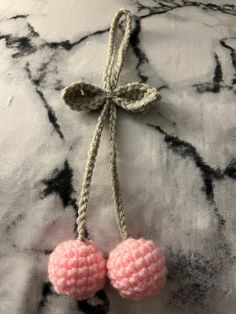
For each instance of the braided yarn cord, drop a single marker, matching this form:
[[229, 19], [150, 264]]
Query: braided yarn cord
[[133, 97], [136, 268], [111, 76]]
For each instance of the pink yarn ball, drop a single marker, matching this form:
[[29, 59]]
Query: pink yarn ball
[[77, 269], [137, 268]]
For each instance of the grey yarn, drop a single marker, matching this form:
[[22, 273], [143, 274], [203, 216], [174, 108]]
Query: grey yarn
[[134, 97]]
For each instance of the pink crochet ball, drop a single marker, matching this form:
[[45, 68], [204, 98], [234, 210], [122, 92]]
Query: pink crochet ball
[[137, 268], [77, 269]]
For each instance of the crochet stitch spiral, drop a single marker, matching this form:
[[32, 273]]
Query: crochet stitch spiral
[[137, 268], [77, 269]]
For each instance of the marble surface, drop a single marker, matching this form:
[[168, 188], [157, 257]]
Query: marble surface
[[177, 162]]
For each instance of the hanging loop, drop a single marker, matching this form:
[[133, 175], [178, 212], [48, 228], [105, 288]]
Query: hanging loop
[[116, 55]]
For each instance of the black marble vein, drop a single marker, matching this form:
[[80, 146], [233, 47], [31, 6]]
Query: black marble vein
[[22, 44], [187, 150], [230, 170], [161, 7], [60, 183], [19, 16], [218, 75], [139, 53], [217, 83], [36, 82], [223, 43], [67, 45], [46, 292], [32, 31], [39, 251], [102, 305], [51, 114]]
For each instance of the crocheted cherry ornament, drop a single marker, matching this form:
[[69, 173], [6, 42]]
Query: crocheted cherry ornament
[[77, 269], [137, 268]]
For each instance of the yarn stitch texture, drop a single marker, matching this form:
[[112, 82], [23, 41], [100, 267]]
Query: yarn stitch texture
[[137, 268], [77, 269]]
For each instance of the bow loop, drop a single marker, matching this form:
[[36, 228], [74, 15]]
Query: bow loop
[[136, 97], [83, 96]]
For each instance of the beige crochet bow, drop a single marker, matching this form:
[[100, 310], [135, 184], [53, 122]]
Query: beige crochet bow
[[134, 97], [131, 97]]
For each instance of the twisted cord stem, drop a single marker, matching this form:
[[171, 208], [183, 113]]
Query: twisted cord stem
[[120, 216], [110, 80], [87, 179]]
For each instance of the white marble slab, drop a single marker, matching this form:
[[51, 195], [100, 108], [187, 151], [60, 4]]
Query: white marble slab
[[177, 162]]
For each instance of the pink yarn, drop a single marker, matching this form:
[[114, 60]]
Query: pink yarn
[[77, 269], [137, 268]]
